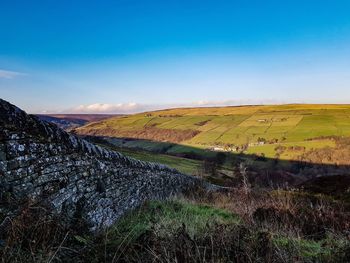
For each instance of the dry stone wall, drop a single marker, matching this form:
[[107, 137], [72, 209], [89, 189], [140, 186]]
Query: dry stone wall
[[42, 162]]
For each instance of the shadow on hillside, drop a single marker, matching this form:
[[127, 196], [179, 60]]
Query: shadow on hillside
[[262, 171]]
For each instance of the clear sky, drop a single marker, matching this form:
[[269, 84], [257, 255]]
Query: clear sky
[[129, 55]]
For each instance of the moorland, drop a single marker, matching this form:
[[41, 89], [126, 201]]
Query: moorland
[[286, 197]]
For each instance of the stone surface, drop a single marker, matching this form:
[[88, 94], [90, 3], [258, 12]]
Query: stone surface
[[40, 161]]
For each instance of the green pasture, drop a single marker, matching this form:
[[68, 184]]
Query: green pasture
[[236, 126], [184, 165], [269, 150]]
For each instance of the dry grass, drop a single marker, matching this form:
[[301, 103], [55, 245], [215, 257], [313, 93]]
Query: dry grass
[[286, 212], [231, 226]]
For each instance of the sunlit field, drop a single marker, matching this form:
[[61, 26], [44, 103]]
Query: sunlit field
[[249, 129]]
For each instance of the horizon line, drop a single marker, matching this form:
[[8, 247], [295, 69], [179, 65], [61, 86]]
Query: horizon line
[[194, 107]]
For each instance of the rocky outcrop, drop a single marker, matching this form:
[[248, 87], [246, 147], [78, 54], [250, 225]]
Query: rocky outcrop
[[40, 161]]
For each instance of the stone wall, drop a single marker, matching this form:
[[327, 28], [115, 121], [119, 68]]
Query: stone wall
[[40, 161]]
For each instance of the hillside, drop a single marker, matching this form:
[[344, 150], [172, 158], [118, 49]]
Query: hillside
[[282, 131], [85, 117], [63, 123], [71, 121]]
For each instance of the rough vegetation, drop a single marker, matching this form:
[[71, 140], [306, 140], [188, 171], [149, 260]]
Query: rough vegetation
[[148, 133], [235, 226]]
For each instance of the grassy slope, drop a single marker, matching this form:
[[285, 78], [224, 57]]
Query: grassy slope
[[213, 234], [290, 124], [184, 165], [232, 227]]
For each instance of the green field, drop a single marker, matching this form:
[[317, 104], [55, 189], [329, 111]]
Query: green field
[[233, 129], [183, 165]]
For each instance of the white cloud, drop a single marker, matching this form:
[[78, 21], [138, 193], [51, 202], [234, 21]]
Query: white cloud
[[109, 108], [6, 74]]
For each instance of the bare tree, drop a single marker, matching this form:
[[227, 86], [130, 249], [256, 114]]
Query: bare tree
[[243, 167]]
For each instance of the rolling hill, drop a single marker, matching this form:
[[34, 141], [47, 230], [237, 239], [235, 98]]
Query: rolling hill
[[71, 121], [283, 131]]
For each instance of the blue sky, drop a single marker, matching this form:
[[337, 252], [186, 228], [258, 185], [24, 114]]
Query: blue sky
[[128, 55]]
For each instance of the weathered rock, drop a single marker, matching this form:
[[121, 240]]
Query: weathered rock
[[40, 161]]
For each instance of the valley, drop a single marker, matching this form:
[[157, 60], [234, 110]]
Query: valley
[[290, 143], [175, 131], [261, 130], [72, 121]]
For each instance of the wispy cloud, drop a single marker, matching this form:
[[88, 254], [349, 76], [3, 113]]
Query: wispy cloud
[[129, 108], [109, 108], [7, 74]]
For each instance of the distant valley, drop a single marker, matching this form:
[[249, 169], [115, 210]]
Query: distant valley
[[72, 121], [284, 131], [289, 142]]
